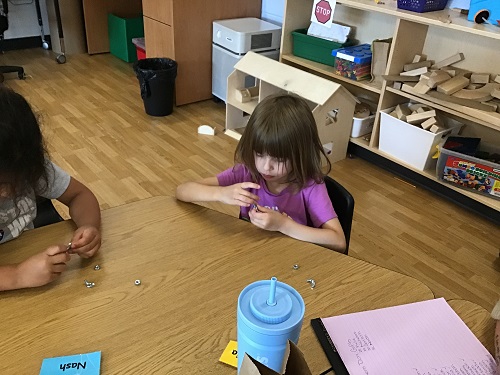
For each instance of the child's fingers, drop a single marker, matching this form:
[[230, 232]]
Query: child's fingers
[[56, 249], [60, 258], [250, 185], [58, 268]]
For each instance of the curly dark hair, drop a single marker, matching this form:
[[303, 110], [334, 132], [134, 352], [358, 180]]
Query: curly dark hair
[[283, 126], [22, 149]]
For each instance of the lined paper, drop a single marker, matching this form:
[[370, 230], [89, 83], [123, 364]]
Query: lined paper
[[422, 338]]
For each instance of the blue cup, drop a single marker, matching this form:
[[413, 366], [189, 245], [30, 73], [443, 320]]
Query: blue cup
[[269, 314]]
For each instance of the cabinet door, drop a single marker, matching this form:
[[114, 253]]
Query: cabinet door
[[159, 39], [159, 10]]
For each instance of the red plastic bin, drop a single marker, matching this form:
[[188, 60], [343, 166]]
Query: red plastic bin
[[140, 47]]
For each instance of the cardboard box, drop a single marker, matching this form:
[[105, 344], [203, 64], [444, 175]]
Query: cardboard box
[[409, 143]]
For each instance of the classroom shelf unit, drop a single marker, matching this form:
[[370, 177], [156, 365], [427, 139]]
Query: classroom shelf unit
[[436, 34]]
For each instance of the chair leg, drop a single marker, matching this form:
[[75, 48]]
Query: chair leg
[[12, 69]]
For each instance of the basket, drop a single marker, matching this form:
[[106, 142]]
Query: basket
[[422, 6]]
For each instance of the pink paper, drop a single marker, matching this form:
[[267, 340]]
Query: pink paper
[[422, 338]]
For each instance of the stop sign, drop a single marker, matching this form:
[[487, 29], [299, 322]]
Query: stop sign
[[323, 11]]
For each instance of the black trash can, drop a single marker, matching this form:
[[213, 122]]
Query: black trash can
[[157, 81]]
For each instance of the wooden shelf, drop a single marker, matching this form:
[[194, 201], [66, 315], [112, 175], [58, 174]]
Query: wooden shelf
[[246, 107], [457, 21], [329, 71], [412, 34]]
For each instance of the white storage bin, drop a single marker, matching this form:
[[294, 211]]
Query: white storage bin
[[362, 126], [409, 143]]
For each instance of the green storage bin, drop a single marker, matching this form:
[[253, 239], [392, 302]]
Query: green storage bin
[[315, 49], [121, 31]]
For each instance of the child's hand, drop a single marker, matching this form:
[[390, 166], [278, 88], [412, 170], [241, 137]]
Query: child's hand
[[238, 195], [267, 219], [42, 268], [86, 241]]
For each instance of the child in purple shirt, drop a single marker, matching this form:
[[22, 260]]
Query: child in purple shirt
[[277, 179]]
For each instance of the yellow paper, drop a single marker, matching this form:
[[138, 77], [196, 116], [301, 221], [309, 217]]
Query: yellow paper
[[230, 354]]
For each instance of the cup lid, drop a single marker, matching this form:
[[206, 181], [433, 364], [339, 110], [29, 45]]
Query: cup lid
[[287, 311]]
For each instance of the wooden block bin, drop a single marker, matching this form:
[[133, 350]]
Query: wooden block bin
[[412, 144], [332, 105]]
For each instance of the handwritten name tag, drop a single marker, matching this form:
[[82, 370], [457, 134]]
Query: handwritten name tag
[[79, 364], [230, 354]]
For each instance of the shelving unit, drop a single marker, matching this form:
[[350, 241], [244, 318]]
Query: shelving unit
[[436, 34], [272, 77]]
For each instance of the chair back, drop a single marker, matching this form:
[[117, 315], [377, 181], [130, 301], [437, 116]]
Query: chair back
[[343, 203], [46, 213]]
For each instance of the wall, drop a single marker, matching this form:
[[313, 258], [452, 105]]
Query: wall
[[272, 11], [23, 20]]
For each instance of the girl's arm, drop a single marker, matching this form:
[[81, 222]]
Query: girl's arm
[[85, 212], [329, 235], [37, 270], [208, 190]]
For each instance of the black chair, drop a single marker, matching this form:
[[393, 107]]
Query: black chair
[[343, 203], [4, 25], [46, 213]]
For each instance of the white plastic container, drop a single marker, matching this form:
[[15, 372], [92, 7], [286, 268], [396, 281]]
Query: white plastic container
[[362, 126], [409, 143]]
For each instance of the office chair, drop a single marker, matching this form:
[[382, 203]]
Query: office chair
[[343, 203], [4, 25], [46, 213]]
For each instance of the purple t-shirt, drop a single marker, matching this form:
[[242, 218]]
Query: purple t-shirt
[[310, 206]]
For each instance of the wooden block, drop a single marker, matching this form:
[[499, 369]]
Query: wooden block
[[454, 71], [495, 93], [421, 88], [458, 101], [474, 86], [415, 72], [480, 78], [437, 78], [408, 88], [418, 118], [402, 111], [428, 123], [400, 78], [426, 76], [481, 95], [435, 129], [497, 78], [417, 107], [449, 61], [419, 58], [421, 64], [397, 85], [453, 85], [246, 94]]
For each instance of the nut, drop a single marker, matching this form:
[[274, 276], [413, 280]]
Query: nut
[[137, 282], [97, 267], [296, 267], [312, 282]]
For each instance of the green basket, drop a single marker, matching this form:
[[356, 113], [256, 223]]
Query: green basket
[[121, 31], [315, 49]]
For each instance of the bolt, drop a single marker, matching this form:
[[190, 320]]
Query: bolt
[[68, 248], [312, 282]]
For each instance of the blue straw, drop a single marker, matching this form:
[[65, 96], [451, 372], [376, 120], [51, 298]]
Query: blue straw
[[272, 292]]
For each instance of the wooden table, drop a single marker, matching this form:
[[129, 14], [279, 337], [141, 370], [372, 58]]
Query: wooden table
[[478, 320], [192, 262]]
